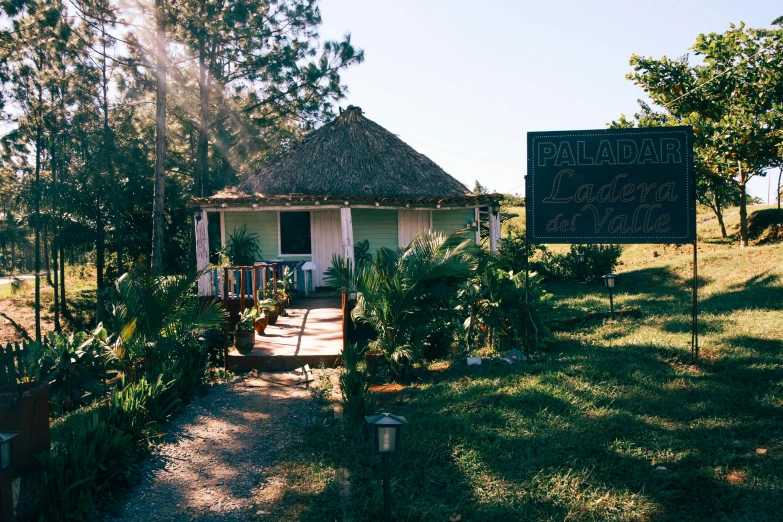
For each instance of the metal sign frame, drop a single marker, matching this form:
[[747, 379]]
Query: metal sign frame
[[621, 186], [611, 186]]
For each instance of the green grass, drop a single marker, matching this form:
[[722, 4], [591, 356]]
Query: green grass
[[582, 432], [80, 293]]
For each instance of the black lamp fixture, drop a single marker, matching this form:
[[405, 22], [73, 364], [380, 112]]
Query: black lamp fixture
[[609, 280], [581, 257], [387, 432], [6, 448]]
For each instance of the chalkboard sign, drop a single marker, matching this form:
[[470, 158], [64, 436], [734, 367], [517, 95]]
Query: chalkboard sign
[[611, 186]]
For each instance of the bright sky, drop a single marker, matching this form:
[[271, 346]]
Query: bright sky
[[463, 82]]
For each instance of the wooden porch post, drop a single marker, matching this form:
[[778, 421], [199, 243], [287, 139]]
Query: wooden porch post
[[202, 254], [477, 217], [347, 232], [494, 230], [222, 229]]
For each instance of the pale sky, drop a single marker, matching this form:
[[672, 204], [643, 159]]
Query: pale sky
[[463, 82]]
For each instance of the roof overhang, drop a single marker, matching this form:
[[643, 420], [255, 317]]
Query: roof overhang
[[233, 198]]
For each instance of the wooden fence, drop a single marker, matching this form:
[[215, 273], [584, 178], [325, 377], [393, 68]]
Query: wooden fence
[[12, 363]]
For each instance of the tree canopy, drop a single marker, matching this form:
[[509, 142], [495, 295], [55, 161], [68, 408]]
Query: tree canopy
[[733, 99], [107, 106]]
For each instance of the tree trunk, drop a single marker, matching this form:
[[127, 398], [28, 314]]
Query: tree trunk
[[779, 176], [37, 254], [108, 149], [57, 327], [160, 139], [202, 148], [57, 225], [46, 255], [63, 306], [723, 233], [743, 212]]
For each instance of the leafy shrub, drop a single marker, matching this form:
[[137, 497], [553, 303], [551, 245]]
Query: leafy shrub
[[141, 403], [357, 397], [19, 286], [497, 309], [76, 468], [72, 364], [400, 292], [599, 259], [512, 254], [761, 220], [158, 323]]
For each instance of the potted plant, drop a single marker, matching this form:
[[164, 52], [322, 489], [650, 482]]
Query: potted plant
[[287, 283], [371, 357], [261, 322], [269, 307], [244, 332], [280, 302]]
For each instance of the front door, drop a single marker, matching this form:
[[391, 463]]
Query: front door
[[327, 241]]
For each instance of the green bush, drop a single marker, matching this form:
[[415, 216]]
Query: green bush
[[599, 259], [142, 403], [84, 462], [761, 220], [357, 397], [158, 344]]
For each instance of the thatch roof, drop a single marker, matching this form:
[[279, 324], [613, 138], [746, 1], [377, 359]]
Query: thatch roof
[[353, 156]]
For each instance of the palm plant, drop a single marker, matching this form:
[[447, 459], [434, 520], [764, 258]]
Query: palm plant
[[400, 292], [154, 316], [242, 247]]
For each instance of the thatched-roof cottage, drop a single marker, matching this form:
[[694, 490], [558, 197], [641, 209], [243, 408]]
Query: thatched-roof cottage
[[349, 181]]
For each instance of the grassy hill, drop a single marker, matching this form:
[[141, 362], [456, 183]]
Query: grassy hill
[[611, 421]]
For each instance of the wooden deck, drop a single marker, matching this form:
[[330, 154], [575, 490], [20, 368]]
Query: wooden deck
[[312, 333]]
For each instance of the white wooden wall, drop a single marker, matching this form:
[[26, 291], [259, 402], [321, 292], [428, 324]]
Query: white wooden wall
[[410, 223], [202, 254], [327, 241], [494, 231]]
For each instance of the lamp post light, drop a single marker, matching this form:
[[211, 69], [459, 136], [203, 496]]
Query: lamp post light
[[580, 257], [6, 448], [609, 280], [387, 432]]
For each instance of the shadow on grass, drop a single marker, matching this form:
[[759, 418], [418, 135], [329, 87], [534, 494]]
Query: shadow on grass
[[763, 291], [661, 291], [772, 347], [582, 437]]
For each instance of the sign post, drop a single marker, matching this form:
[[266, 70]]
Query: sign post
[[613, 186]]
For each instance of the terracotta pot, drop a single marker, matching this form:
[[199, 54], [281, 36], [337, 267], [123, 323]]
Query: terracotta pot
[[261, 324], [244, 341], [272, 316], [372, 359]]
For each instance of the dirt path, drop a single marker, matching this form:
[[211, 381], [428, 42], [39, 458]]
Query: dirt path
[[217, 462]]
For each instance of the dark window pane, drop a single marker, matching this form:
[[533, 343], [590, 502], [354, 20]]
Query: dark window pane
[[295, 233]]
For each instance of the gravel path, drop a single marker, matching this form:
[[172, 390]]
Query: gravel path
[[217, 460]]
